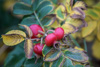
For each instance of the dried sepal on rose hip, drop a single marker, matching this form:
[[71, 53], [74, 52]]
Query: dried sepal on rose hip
[[38, 49], [59, 32], [50, 39], [35, 30]]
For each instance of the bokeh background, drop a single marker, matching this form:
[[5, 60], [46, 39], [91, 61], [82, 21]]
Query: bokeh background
[[9, 21]]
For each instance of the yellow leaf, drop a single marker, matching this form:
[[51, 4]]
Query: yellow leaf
[[76, 35], [29, 31], [68, 7], [68, 28], [80, 4], [75, 22], [92, 13], [89, 38], [17, 32], [8, 4], [69, 4], [89, 29], [12, 39], [77, 13], [96, 49], [28, 48], [55, 24], [98, 30]]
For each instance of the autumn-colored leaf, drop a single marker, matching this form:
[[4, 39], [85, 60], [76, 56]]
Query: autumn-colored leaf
[[77, 23], [72, 25], [92, 13], [12, 39], [89, 29], [80, 4], [28, 48], [77, 13], [95, 49], [59, 12], [98, 30], [55, 24], [90, 38], [30, 34], [68, 28], [69, 5], [17, 32]]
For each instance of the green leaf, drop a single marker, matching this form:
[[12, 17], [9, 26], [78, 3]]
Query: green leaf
[[67, 63], [76, 55], [71, 66], [72, 55], [35, 4], [58, 62], [22, 8], [52, 55], [28, 21], [44, 11], [31, 63], [45, 50], [46, 64], [43, 4], [27, 1], [46, 21], [16, 58], [79, 65], [54, 1]]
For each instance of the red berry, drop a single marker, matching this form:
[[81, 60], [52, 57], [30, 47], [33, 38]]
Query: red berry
[[35, 28], [59, 32], [38, 49], [50, 39]]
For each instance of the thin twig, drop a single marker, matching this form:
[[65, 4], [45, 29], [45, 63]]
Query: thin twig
[[41, 41], [50, 31], [38, 19]]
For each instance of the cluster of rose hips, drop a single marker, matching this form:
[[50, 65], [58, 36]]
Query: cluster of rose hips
[[57, 35]]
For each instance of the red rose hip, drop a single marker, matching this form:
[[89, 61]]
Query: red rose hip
[[35, 28], [59, 32], [38, 49], [50, 39]]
